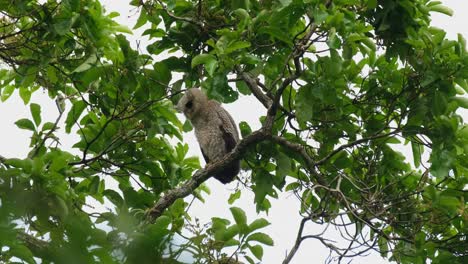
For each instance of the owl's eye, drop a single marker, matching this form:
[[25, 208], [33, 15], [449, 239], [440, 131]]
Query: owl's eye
[[189, 104]]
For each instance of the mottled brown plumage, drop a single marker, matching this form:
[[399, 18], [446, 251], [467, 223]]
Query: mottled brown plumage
[[215, 129]]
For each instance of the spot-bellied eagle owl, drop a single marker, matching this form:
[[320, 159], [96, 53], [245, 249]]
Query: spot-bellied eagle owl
[[215, 129]]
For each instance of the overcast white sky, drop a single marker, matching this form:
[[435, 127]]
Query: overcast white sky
[[284, 212]]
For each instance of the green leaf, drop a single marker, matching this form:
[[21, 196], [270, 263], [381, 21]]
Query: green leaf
[[25, 124], [243, 88], [449, 203], [25, 94], [441, 9], [64, 26], [234, 196], [249, 259], [7, 92], [304, 101], [114, 197], [48, 126], [22, 252], [417, 152], [276, 33], [258, 224], [257, 251], [244, 18], [239, 216], [122, 29], [283, 165], [461, 101], [36, 113], [187, 126], [439, 103], [245, 129], [87, 64], [292, 186], [94, 186], [74, 114], [237, 46], [383, 246], [333, 41], [230, 232], [262, 238], [208, 60], [142, 19]]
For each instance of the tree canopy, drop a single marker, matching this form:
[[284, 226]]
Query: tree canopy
[[344, 85]]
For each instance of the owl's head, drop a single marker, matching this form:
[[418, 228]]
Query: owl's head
[[192, 102]]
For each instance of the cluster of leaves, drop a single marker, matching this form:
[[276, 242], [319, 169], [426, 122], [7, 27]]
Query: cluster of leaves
[[344, 85], [207, 244]]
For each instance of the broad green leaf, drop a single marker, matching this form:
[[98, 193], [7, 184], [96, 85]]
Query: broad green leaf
[[245, 129], [122, 29], [237, 46], [87, 64], [230, 232], [48, 126], [94, 186], [22, 252], [304, 101], [243, 88], [383, 246], [244, 17], [75, 113], [333, 41], [25, 94], [142, 19], [257, 251], [36, 113], [239, 216], [25, 124], [292, 186], [262, 238], [187, 126], [257, 224], [208, 60], [250, 260], [7, 91]]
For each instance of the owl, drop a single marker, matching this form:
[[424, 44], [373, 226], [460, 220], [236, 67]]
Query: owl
[[214, 127]]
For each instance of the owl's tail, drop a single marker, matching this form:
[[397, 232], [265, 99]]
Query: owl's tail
[[229, 173]]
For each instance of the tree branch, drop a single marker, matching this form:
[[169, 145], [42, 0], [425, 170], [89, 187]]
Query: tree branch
[[354, 143], [39, 247], [301, 150], [203, 174], [253, 86], [299, 239]]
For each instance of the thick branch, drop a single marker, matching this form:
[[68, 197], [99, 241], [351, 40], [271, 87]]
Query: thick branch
[[252, 84], [202, 175], [39, 247]]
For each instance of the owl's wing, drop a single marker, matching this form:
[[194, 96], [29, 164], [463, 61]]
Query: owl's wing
[[207, 160], [228, 129]]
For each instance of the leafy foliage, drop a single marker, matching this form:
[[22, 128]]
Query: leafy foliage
[[344, 85]]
